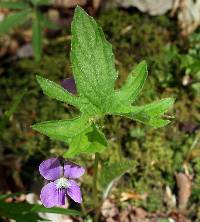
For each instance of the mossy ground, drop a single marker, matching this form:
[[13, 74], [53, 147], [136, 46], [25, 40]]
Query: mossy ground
[[158, 153]]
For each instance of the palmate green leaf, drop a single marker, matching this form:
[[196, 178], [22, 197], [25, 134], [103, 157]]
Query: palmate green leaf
[[92, 63], [111, 172], [37, 37], [55, 210], [14, 5], [13, 20], [95, 75], [55, 91], [62, 130], [91, 140]]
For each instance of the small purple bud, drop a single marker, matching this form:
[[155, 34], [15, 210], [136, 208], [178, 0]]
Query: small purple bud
[[69, 84]]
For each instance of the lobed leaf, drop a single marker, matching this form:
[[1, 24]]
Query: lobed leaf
[[13, 20], [91, 140], [92, 62], [62, 130], [95, 75], [55, 91]]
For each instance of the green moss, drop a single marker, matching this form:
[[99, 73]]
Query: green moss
[[136, 37]]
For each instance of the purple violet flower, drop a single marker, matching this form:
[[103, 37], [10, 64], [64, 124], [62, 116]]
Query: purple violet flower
[[62, 183]]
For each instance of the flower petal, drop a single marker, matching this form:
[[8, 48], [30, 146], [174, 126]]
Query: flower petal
[[72, 170], [49, 195], [51, 169], [74, 191], [61, 194]]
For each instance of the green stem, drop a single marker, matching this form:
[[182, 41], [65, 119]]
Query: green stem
[[94, 191]]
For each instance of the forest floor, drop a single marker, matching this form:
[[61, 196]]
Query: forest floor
[[166, 180]]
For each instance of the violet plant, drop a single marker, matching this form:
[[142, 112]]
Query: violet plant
[[95, 97]]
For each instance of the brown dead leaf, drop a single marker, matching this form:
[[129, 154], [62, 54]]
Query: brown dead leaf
[[27, 34], [4, 45], [133, 214], [178, 217], [9, 200], [3, 13], [188, 15], [13, 47], [126, 29], [132, 195], [184, 184], [140, 213], [96, 4], [109, 209], [53, 15], [194, 154]]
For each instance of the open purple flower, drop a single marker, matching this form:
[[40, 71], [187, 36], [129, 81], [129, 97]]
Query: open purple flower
[[62, 183]]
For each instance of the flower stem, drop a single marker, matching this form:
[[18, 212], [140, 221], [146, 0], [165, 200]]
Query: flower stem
[[94, 191]]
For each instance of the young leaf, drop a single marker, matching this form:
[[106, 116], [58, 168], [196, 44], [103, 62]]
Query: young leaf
[[55, 91], [113, 171], [55, 210], [37, 37], [92, 62], [62, 130], [14, 5], [13, 20], [134, 84], [91, 140]]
